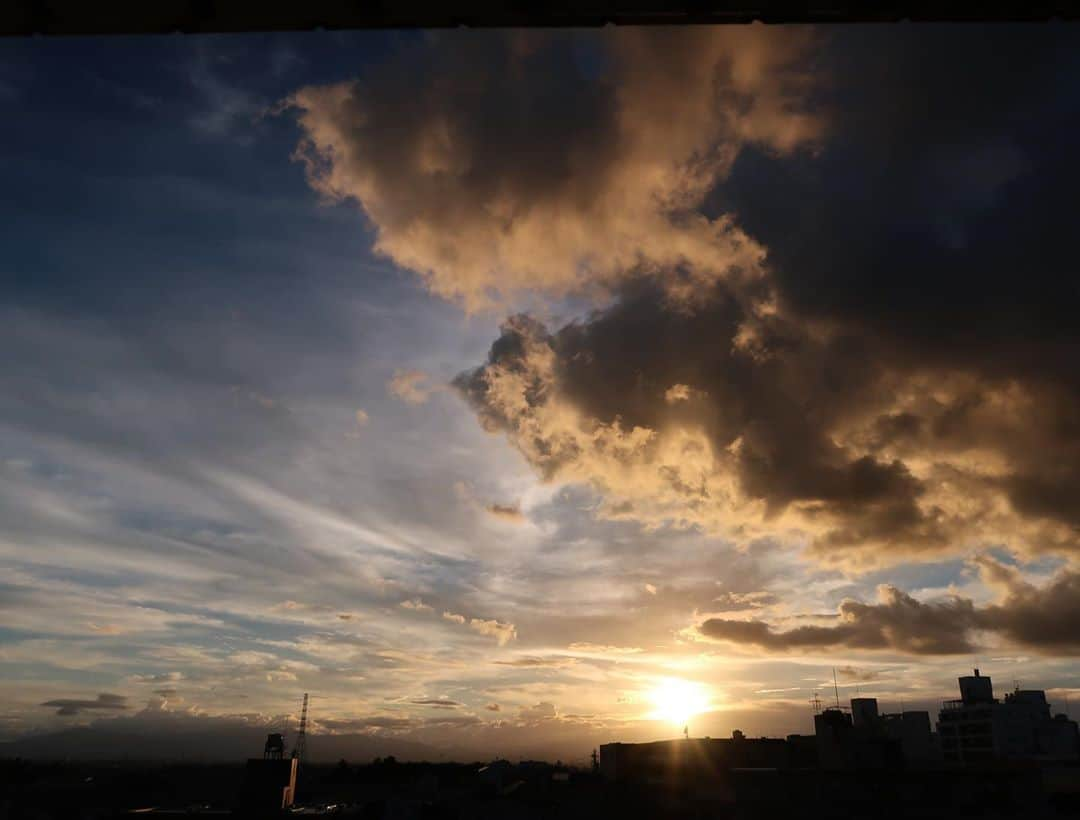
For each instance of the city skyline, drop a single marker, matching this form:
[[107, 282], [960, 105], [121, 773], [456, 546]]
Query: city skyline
[[524, 390]]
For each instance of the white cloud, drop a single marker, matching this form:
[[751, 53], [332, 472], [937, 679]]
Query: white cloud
[[411, 386], [502, 632]]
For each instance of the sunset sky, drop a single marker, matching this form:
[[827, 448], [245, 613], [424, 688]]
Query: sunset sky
[[512, 392]]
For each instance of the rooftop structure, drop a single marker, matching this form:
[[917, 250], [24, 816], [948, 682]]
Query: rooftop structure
[[274, 749]]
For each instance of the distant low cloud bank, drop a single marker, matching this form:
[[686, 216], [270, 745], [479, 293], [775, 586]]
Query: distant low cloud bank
[[73, 706], [1038, 618]]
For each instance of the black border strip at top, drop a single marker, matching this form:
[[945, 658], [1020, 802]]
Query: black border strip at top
[[89, 17]]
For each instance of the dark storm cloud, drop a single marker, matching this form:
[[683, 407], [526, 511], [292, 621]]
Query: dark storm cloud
[[1037, 618], [865, 451], [902, 379], [898, 622], [493, 163], [941, 201], [839, 295], [70, 706], [755, 441], [940, 231]]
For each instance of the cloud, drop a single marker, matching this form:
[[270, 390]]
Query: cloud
[[226, 111], [897, 622], [104, 629], [160, 677], [493, 707], [749, 463], [883, 336], [453, 722], [390, 722], [1028, 616], [506, 512], [770, 393], [803, 434], [851, 673], [536, 662], [538, 712], [492, 163], [380, 724], [503, 633], [362, 418], [69, 706], [768, 389], [416, 605], [410, 386], [677, 393], [603, 649], [439, 703], [735, 601]]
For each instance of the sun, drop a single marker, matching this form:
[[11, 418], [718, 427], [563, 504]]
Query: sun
[[676, 701]]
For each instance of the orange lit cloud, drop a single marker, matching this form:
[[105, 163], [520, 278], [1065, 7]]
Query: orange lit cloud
[[476, 178]]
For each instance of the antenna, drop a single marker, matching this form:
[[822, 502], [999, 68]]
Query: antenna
[[301, 734], [836, 689]]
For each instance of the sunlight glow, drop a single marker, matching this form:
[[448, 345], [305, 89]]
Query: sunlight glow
[[676, 701]]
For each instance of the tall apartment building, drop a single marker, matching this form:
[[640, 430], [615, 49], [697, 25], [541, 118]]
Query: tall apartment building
[[978, 727]]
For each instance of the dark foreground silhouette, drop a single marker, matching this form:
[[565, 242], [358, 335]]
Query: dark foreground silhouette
[[501, 789]]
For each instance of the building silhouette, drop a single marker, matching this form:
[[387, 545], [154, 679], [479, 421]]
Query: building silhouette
[[976, 730], [864, 738], [979, 728], [270, 781]]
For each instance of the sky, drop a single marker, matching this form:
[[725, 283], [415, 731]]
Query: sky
[[512, 392]]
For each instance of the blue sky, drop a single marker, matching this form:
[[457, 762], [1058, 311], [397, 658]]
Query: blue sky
[[237, 462]]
